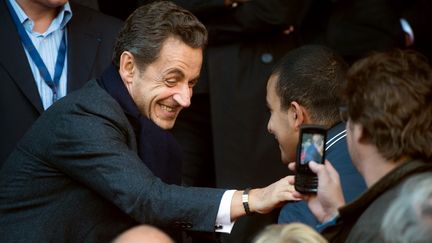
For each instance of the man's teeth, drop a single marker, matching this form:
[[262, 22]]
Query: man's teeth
[[167, 108]]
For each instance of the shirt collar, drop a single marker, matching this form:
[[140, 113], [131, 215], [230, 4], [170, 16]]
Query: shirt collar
[[59, 22], [65, 15], [336, 129]]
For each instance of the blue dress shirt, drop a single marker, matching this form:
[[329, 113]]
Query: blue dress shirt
[[47, 44]]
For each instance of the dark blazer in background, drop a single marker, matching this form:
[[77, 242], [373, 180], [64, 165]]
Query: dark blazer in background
[[357, 27], [91, 36], [419, 15], [76, 177], [224, 132]]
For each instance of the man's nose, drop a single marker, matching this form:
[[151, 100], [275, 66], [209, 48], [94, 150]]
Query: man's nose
[[183, 96], [269, 129]]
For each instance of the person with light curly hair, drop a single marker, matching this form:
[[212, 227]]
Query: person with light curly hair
[[289, 233]]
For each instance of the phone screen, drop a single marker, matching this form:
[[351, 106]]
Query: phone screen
[[311, 147]]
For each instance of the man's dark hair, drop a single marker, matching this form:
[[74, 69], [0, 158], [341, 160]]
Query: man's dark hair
[[390, 95], [147, 28], [313, 76]]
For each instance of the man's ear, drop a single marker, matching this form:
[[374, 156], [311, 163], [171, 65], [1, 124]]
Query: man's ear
[[363, 135], [298, 115], [127, 68], [359, 133]]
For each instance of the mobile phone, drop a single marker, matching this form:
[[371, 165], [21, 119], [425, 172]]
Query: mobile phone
[[311, 147]]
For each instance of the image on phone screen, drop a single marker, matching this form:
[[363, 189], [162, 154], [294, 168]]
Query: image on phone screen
[[312, 148]]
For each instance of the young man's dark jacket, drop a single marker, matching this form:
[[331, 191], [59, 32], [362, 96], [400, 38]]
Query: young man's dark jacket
[[361, 220]]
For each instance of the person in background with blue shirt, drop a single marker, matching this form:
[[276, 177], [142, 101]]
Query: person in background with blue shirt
[[47, 49], [314, 151], [304, 89]]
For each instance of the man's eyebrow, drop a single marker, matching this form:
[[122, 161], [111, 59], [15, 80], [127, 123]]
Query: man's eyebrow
[[195, 79], [176, 72]]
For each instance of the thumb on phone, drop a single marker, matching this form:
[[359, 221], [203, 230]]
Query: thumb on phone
[[316, 168], [326, 168]]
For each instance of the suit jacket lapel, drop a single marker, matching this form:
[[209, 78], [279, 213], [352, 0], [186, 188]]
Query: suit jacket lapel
[[83, 43], [14, 59]]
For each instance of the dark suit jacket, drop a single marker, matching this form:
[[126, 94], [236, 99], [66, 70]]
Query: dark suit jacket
[[91, 37], [361, 220], [357, 27], [418, 14], [76, 177]]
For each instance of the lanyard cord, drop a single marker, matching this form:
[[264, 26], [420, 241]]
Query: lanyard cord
[[37, 59]]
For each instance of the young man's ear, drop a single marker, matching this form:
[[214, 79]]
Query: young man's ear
[[298, 114], [361, 134], [127, 67]]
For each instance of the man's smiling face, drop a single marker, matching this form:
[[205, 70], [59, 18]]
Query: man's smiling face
[[281, 123], [165, 86]]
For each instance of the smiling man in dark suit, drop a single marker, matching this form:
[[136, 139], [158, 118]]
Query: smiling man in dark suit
[[24, 94], [89, 168]]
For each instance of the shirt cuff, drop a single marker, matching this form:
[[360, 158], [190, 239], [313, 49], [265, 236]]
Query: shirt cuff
[[223, 220], [324, 225]]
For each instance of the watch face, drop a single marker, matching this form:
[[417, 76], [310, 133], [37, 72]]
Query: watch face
[[245, 201]]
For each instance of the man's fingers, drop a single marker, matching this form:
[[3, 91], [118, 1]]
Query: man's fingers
[[315, 167], [291, 166], [291, 180], [292, 196]]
